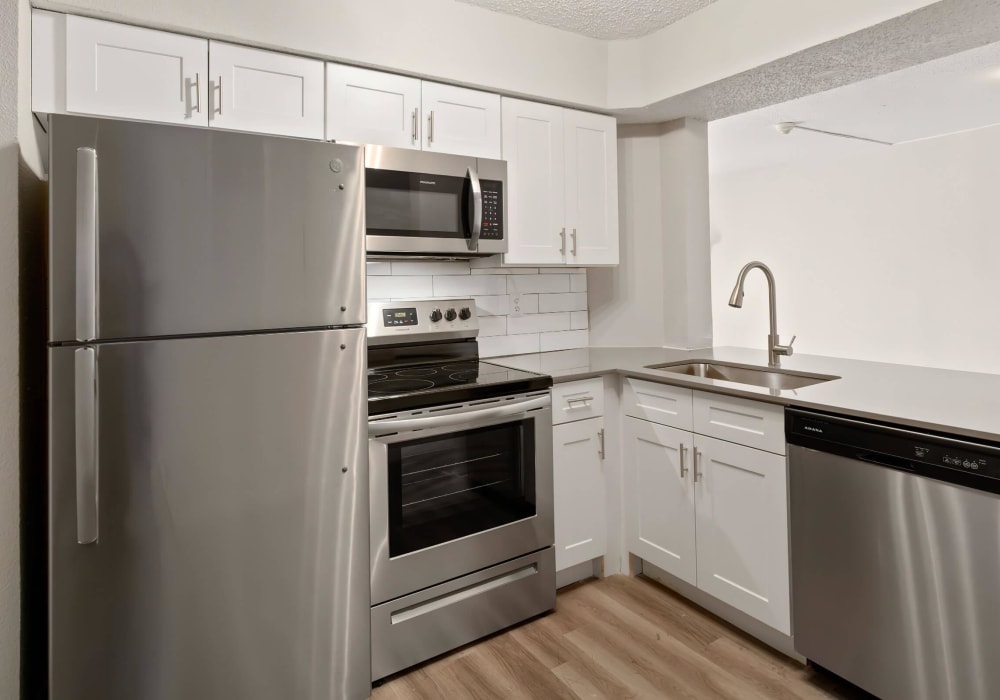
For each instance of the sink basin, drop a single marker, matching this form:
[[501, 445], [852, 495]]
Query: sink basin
[[767, 377]]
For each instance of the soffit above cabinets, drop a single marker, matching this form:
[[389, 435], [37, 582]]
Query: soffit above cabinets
[[944, 96], [600, 19]]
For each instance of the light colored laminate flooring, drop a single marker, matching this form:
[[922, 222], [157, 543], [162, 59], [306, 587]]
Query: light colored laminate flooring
[[619, 637]]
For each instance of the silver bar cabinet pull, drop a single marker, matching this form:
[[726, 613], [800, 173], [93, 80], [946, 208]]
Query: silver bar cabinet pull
[[85, 366], [430, 127], [219, 110], [684, 469], [86, 244], [600, 435], [562, 234], [413, 125], [574, 241], [197, 93], [697, 463]]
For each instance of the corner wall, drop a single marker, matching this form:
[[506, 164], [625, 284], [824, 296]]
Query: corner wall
[[890, 256], [659, 293]]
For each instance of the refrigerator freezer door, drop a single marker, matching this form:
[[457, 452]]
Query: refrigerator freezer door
[[232, 554], [201, 231]]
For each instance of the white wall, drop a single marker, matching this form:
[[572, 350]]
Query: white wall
[[9, 455], [521, 310], [659, 293], [890, 256]]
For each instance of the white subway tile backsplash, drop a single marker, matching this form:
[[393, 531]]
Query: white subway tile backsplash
[[566, 340], [426, 267], [469, 285], [562, 302], [498, 305], [392, 287], [379, 268], [508, 345], [521, 310], [538, 284], [537, 323], [492, 325]]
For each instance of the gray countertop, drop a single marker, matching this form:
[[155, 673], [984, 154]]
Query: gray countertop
[[961, 403]]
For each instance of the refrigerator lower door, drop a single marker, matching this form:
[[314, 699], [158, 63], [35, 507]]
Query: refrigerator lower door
[[224, 508], [162, 230]]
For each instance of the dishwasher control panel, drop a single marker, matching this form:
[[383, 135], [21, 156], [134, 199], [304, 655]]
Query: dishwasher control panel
[[945, 458]]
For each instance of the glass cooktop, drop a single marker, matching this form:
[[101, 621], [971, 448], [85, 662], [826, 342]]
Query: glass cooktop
[[392, 389]]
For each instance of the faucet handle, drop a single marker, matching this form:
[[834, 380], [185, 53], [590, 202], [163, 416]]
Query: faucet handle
[[785, 350]]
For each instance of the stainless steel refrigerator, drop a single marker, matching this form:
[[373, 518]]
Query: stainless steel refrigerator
[[208, 506]]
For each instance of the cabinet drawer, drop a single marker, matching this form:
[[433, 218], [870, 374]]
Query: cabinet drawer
[[742, 421], [577, 400], [660, 403]]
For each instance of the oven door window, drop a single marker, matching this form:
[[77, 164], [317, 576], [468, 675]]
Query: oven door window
[[445, 487], [414, 204]]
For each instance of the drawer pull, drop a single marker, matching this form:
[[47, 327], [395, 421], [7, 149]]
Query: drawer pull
[[585, 400], [460, 595]]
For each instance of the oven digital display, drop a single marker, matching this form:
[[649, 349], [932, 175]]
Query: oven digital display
[[399, 317]]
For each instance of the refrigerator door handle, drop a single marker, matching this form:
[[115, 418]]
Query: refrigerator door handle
[[86, 244], [85, 360]]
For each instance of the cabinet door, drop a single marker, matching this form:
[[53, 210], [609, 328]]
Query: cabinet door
[[368, 106], [266, 92], [119, 70], [659, 497], [743, 529], [591, 188], [533, 147], [461, 121], [578, 483]]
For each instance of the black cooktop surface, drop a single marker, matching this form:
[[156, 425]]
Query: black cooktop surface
[[392, 389]]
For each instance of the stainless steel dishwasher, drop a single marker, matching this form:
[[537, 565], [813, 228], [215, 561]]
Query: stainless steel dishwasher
[[895, 538]]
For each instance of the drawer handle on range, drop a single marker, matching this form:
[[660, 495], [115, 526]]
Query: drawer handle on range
[[461, 418], [585, 400], [464, 594]]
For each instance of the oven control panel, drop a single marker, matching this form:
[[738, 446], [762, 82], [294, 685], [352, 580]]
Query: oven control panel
[[492, 223], [401, 322]]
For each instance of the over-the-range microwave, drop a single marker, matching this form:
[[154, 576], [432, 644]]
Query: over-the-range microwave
[[434, 205]]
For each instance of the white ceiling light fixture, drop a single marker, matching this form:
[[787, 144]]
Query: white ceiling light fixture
[[787, 128]]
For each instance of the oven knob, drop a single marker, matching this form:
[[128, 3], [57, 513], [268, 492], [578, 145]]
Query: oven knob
[[450, 315], [465, 314], [435, 315]]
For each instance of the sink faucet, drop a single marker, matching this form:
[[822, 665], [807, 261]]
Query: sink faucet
[[774, 348]]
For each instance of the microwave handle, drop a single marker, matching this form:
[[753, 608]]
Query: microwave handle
[[477, 209], [383, 427]]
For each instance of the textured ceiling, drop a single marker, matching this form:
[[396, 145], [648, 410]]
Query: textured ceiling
[[601, 19]]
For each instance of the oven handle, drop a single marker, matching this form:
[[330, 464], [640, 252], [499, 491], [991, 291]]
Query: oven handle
[[463, 418]]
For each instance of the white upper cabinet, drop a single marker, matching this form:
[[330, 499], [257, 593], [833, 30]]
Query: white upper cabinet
[[264, 91], [460, 121], [536, 182], [578, 489], [591, 188], [123, 71], [562, 176], [369, 106]]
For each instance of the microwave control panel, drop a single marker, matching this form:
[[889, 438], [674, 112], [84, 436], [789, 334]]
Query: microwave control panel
[[492, 210]]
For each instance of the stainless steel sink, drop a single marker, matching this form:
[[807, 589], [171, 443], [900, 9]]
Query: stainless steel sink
[[745, 374]]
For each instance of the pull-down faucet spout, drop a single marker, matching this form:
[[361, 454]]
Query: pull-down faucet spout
[[774, 347]]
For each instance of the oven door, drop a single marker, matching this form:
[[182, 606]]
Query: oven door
[[457, 491], [432, 204]]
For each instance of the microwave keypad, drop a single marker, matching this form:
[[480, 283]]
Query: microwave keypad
[[492, 211]]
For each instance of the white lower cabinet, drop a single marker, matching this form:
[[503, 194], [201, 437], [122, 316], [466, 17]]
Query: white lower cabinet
[[578, 488], [712, 513]]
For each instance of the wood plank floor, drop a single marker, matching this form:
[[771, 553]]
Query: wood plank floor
[[618, 637]]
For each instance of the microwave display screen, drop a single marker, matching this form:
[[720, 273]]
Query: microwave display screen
[[412, 210]]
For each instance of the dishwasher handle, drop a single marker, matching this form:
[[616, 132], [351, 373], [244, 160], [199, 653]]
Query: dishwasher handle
[[886, 461]]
